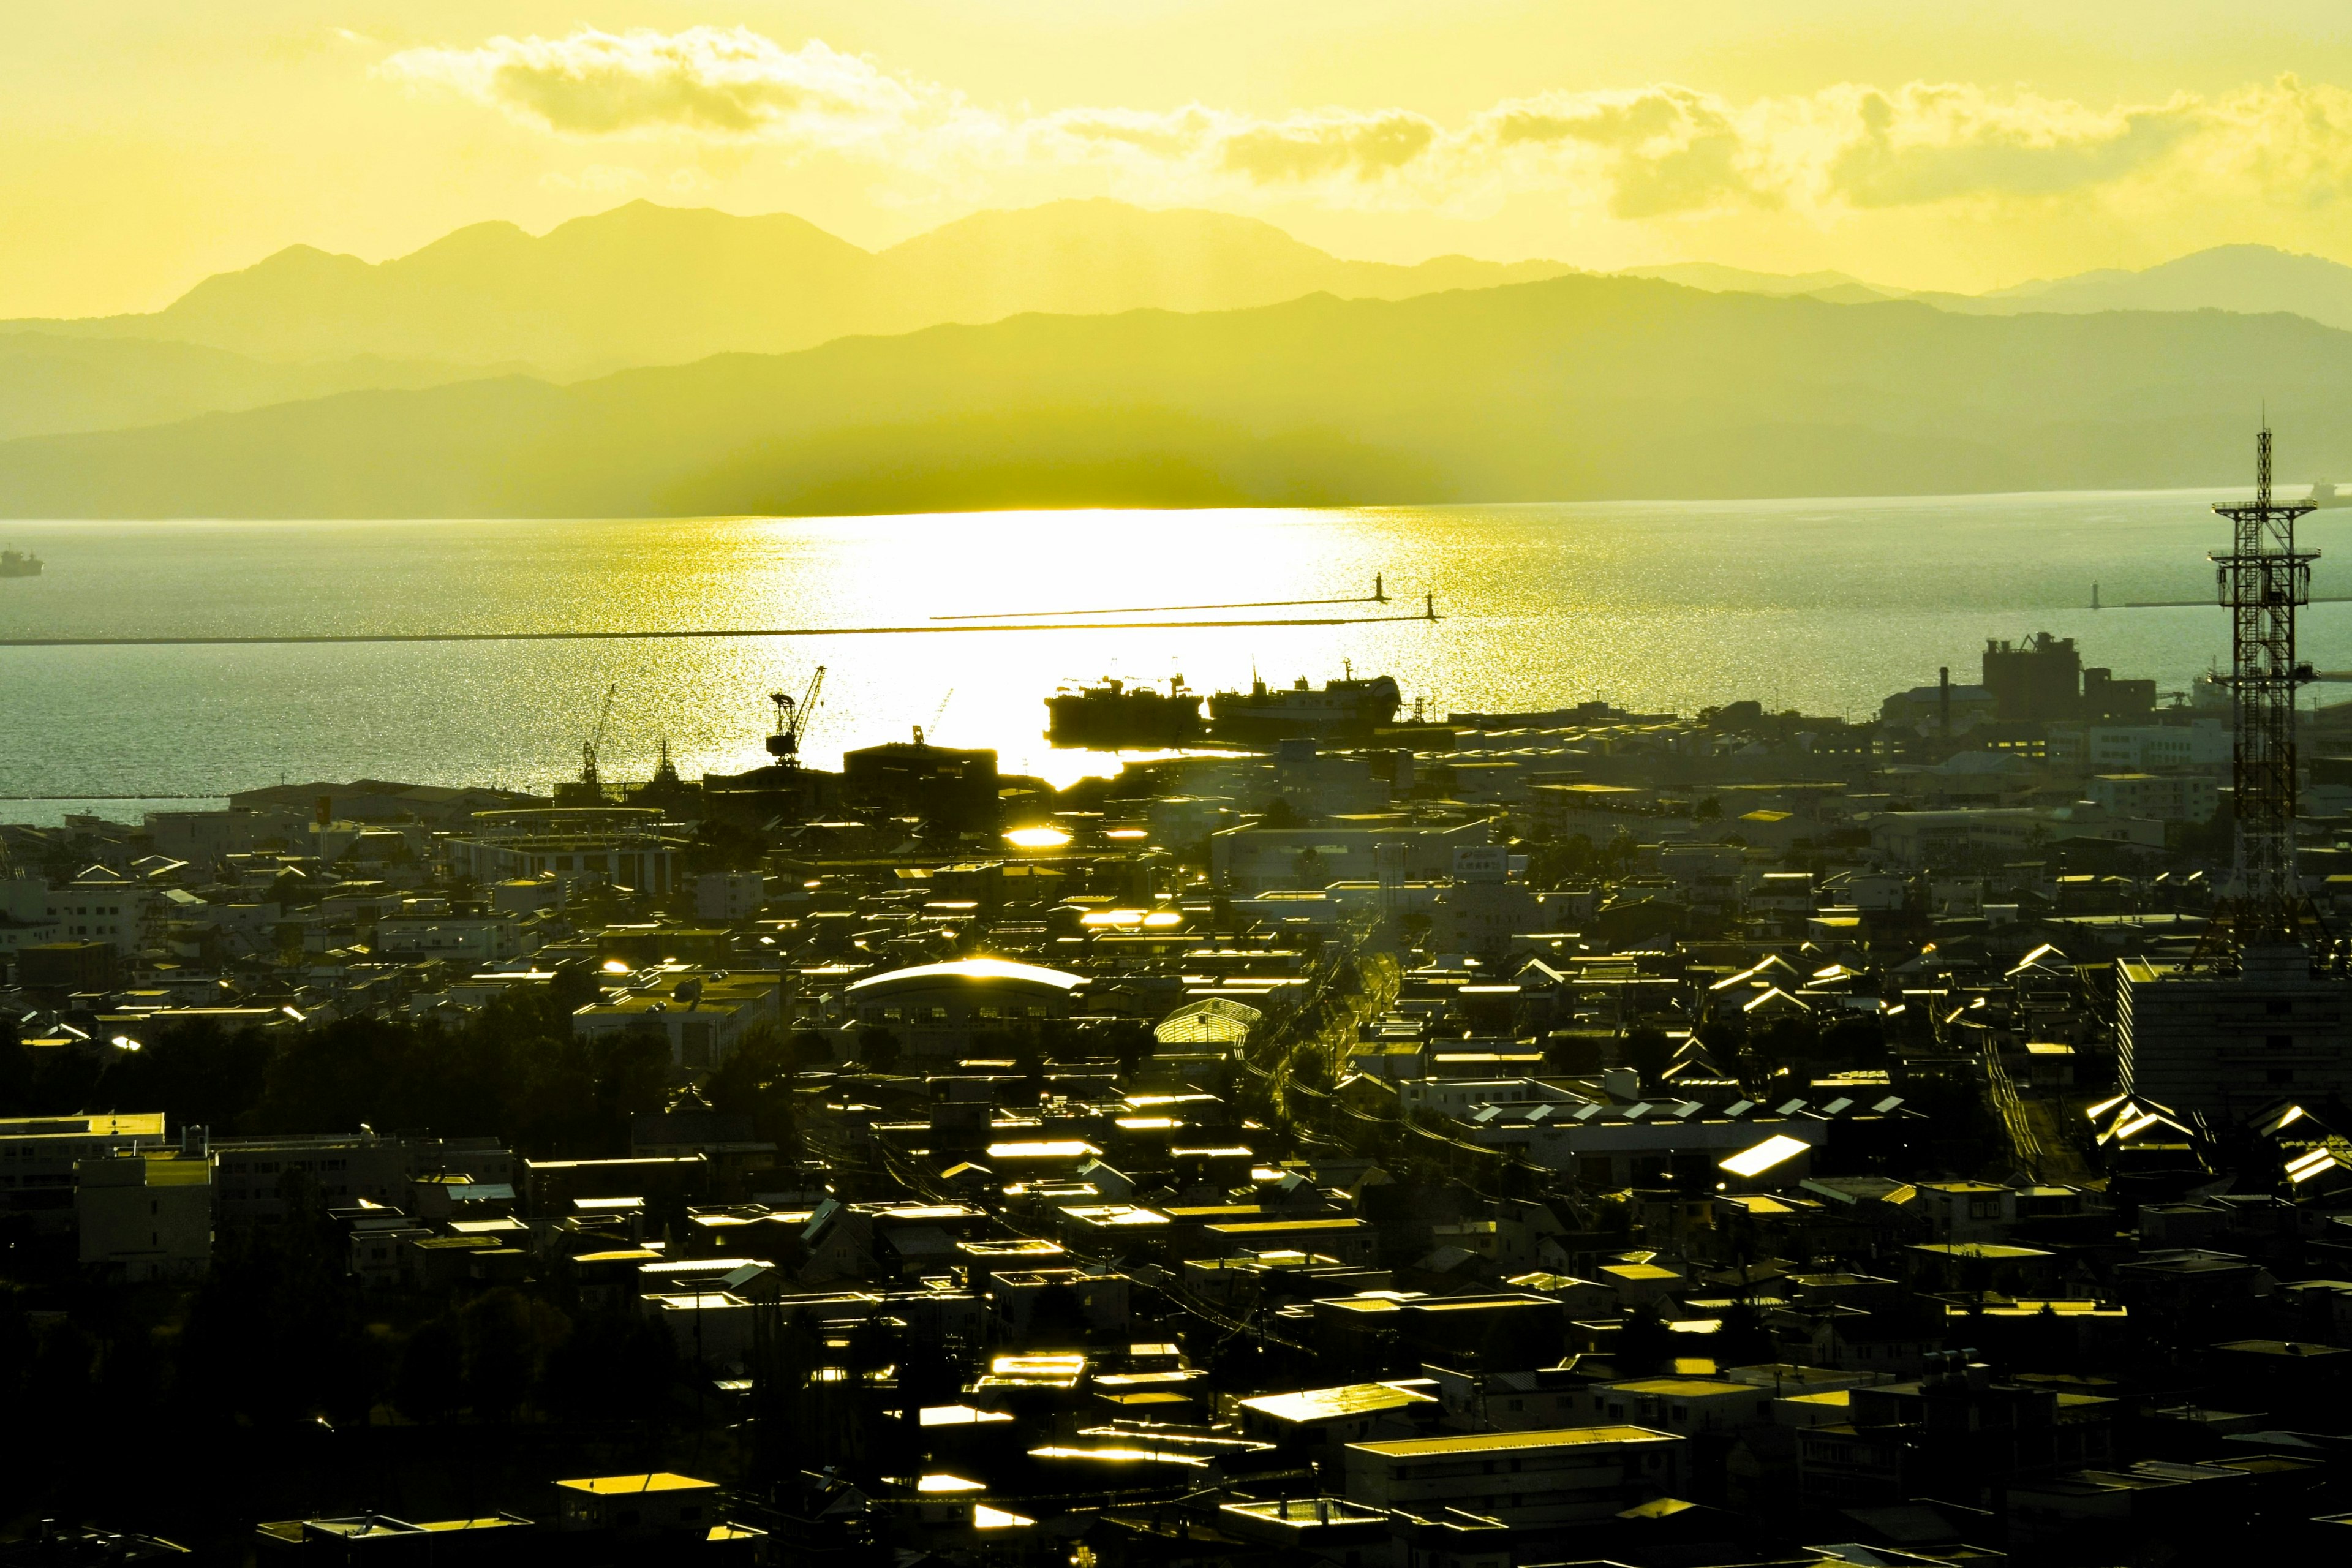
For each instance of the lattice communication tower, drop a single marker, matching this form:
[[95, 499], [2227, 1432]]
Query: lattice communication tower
[[2263, 579]]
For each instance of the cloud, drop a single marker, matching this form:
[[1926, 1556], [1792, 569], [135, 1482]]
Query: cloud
[[1666, 149], [1925, 145], [1362, 146], [710, 81], [1640, 153]]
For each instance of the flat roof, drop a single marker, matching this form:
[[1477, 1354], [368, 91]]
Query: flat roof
[[618, 1486], [1762, 1157], [133, 1124], [1324, 1404], [1686, 1387], [1497, 1442]]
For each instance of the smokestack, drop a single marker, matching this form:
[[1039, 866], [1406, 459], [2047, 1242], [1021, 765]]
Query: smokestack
[[1943, 699]]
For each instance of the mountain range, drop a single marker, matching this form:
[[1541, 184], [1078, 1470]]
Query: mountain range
[[2247, 280], [652, 285], [1579, 387], [1090, 350]]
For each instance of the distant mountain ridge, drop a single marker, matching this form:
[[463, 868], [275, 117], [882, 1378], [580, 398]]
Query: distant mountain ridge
[[645, 284], [52, 383], [1574, 387], [2247, 280]]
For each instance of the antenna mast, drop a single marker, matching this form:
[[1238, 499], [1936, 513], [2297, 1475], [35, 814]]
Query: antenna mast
[[2263, 579]]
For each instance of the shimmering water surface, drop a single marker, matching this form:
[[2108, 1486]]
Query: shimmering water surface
[[1825, 605]]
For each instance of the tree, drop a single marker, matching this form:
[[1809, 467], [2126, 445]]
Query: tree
[[1649, 1053], [878, 1051], [1743, 1340], [613, 1365], [1644, 1345], [756, 1081], [811, 1050], [506, 1337], [431, 1381], [1856, 1043]]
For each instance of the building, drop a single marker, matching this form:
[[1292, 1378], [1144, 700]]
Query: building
[[39, 1156], [1247, 861], [1929, 710], [344, 1169], [660, 1504], [145, 1217], [1329, 1416], [1555, 1476], [2196, 1040], [462, 939], [377, 800], [2035, 681], [952, 790], [25, 918], [728, 895], [373, 1537], [2166, 797], [935, 1009], [2201, 743], [1483, 916], [703, 1015], [100, 905], [622, 845]]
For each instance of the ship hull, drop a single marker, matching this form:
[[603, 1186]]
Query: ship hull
[[1129, 720], [1341, 708]]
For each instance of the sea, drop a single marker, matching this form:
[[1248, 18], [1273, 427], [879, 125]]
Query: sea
[[1821, 605]]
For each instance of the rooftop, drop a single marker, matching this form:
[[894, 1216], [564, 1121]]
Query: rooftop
[[1506, 1442], [1327, 1403], [624, 1486], [973, 970]]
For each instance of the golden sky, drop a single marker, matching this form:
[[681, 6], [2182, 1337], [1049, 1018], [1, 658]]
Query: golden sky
[[1964, 145]]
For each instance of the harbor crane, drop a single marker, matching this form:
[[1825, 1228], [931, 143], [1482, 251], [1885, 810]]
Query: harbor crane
[[588, 776], [793, 716]]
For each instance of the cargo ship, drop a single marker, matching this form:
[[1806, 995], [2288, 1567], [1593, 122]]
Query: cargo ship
[[1117, 717], [1344, 707], [17, 563]]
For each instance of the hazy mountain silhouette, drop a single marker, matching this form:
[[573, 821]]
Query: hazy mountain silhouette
[[1579, 387], [1719, 279], [652, 285], [2249, 280], [50, 382]]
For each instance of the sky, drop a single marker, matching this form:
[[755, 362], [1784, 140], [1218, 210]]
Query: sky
[[144, 145]]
